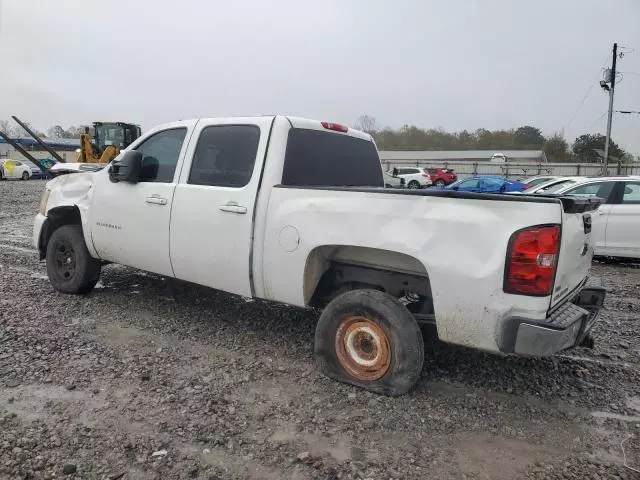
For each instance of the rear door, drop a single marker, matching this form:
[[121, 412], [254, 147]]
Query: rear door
[[214, 202], [623, 222]]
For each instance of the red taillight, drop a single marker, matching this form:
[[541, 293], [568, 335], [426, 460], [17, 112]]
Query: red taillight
[[336, 127], [532, 257]]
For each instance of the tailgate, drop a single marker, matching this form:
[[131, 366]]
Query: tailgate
[[576, 249]]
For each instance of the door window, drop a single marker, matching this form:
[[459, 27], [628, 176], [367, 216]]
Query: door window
[[473, 183], [225, 156], [160, 154], [598, 189], [631, 194]]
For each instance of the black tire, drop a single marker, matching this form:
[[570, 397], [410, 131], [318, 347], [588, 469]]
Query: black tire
[[440, 183], [402, 336], [25, 175], [70, 267], [413, 184]]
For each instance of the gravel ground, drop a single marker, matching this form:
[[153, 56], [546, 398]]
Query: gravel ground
[[146, 379]]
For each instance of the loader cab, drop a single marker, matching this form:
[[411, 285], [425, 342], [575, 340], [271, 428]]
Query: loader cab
[[118, 134]]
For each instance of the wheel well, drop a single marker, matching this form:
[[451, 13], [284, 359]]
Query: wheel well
[[57, 217], [333, 269]]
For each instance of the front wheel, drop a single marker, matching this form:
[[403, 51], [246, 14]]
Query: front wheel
[[25, 175], [70, 267], [413, 184], [369, 339]]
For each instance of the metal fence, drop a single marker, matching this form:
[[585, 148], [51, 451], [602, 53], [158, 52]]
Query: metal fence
[[520, 169]]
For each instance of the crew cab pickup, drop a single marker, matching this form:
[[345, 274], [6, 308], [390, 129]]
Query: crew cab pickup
[[295, 211]]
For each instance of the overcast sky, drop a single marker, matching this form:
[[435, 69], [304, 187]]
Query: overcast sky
[[453, 64]]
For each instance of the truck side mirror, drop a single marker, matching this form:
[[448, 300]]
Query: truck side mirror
[[128, 168]]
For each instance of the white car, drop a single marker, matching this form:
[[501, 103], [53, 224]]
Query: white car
[[14, 169], [538, 180], [555, 185], [391, 179], [616, 224], [415, 177], [293, 211]]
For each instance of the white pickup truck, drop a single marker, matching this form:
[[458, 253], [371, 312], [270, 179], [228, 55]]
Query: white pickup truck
[[294, 211]]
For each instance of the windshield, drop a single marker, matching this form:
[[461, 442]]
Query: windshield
[[109, 134], [556, 186]]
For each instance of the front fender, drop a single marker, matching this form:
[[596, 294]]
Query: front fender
[[75, 192]]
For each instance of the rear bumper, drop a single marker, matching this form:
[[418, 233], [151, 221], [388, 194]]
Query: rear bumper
[[566, 327]]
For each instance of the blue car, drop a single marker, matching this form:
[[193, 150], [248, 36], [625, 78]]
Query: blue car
[[486, 184]]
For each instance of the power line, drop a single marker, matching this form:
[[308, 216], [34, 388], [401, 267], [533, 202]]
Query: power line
[[598, 119], [586, 95]]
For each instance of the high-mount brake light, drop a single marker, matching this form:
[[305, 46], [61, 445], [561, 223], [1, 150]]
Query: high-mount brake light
[[336, 127]]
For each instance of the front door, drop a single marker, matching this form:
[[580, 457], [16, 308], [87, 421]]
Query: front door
[[130, 222], [214, 202], [623, 223]]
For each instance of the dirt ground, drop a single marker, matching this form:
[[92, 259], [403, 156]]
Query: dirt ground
[[141, 381]]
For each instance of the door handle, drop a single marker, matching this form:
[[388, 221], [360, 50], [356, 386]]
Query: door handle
[[156, 200], [233, 207]]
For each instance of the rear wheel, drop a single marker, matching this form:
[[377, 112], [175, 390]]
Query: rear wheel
[[25, 175], [369, 339], [413, 184], [70, 267]]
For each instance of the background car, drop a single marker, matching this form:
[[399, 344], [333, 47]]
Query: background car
[[615, 225], [391, 179], [415, 177], [552, 186], [441, 176], [537, 180], [486, 184], [14, 169], [36, 173]]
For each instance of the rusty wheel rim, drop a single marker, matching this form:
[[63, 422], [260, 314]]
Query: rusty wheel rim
[[362, 348]]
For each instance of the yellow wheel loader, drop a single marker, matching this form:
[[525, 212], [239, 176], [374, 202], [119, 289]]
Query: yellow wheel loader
[[108, 139]]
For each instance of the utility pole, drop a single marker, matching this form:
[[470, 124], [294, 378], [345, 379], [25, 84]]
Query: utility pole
[[605, 170]]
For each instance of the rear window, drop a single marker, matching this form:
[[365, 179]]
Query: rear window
[[324, 159], [431, 170], [556, 186]]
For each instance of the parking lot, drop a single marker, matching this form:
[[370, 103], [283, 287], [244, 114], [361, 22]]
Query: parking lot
[[150, 379]]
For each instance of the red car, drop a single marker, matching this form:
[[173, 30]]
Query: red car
[[441, 176]]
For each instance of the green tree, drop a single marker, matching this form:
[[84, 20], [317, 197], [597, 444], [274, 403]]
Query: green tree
[[528, 137], [585, 146], [556, 148]]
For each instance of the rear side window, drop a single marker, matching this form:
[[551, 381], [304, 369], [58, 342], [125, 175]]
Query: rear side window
[[599, 189], [631, 194], [317, 158], [225, 156]]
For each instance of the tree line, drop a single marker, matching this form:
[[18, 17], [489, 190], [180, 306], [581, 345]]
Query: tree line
[[16, 131], [527, 137]]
